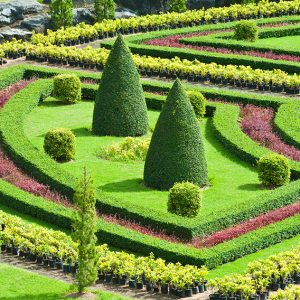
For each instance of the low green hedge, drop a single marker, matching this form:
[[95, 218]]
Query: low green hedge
[[124, 238], [287, 122], [226, 40], [45, 170]]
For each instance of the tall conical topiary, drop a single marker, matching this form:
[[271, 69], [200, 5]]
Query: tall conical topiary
[[176, 151], [120, 106]]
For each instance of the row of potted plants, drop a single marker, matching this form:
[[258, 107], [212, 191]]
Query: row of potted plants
[[55, 249], [83, 33], [240, 76], [274, 273], [291, 293]]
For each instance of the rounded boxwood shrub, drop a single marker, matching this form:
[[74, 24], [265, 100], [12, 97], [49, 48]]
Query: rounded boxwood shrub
[[120, 106], [60, 144], [67, 88], [198, 102], [246, 30], [185, 199], [176, 151], [274, 170]]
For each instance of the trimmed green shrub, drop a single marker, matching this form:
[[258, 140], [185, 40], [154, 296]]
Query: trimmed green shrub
[[60, 144], [198, 102], [185, 199], [67, 88], [274, 170], [246, 30], [176, 151], [120, 106], [129, 149]]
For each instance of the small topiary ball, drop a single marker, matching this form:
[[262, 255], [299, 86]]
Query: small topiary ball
[[67, 88], [60, 144], [185, 199], [246, 30], [274, 170], [198, 102]]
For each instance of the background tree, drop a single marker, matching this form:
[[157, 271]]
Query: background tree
[[61, 12], [84, 232], [104, 9], [178, 6], [120, 106]]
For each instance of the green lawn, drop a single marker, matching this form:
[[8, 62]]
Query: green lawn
[[19, 284], [239, 265], [233, 180], [290, 42]]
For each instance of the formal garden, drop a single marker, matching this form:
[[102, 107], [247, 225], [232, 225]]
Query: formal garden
[[157, 154]]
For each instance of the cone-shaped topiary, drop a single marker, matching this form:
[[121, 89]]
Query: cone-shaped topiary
[[120, 106], [176, 151]]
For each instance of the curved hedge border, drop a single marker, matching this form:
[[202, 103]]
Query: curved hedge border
[[287, 122], [226, 40], [63, 182], [128, 239], [136, 45]]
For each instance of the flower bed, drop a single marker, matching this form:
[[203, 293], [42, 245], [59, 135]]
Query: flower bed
[[257, 123]]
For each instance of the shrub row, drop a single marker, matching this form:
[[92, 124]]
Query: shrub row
[[124, 238], [226, 40], [192, 70], [287, 123], [82, 33], [107, 203]]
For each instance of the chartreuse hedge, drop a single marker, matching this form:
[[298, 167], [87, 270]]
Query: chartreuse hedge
[[226, 40], [176, 151], [120, 107], [44, 169], [136, 45]]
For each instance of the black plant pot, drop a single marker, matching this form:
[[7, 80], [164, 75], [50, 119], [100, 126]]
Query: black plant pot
[[101, 277], [46, 262], [73, 269], [52, 263], [132, 284], [39, 260], [165, 289], [201, 288], [188, 292], [180, 293], [8, 249], [116, 280], [123, 280], [195, 290], [139, 285], [66, 268], [15, 250], [156, 289], [32, 257], [274, 287], [149, 287], [21, 253], [108, 278]]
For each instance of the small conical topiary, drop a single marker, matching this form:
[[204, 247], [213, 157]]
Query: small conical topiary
[[176, 151], [120, 106]]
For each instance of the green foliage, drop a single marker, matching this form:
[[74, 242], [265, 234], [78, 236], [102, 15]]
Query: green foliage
[[274, 170], [67, 88], [198, 102], [178, 6], [61, 12], [104, 9], [85, 227], [176, 151], [129, 149], [185, 199], [120, 107], [60, 144], [246, 30]]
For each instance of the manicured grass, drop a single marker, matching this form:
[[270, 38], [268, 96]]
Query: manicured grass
[[20, 284], [233, 180], [290, 42], [239, 265]]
